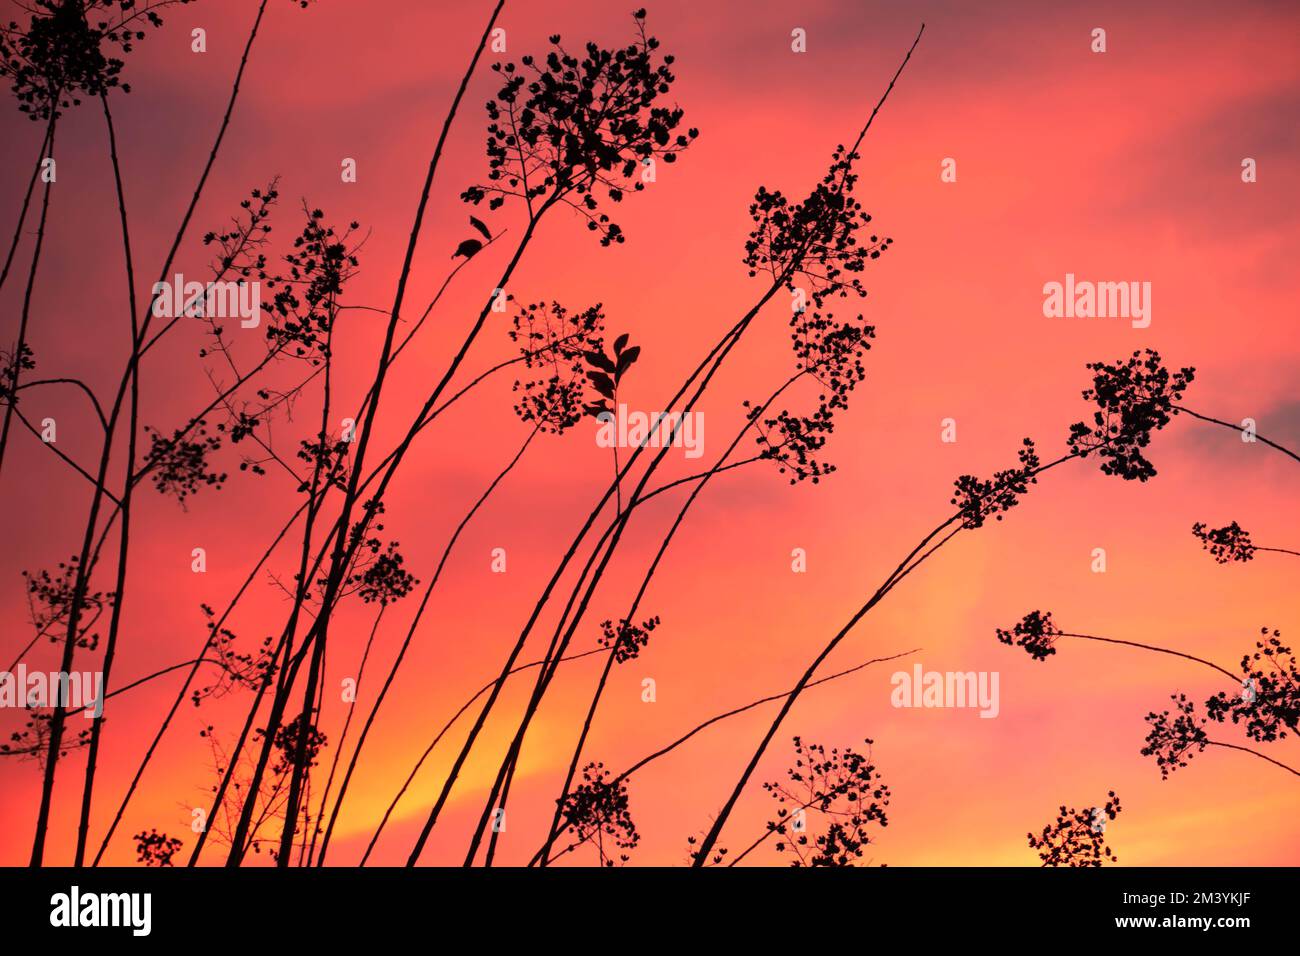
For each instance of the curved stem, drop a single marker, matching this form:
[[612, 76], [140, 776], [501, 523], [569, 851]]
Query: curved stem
[[16, 360], [180, 695], [1237, 428], [124, 529], [78, 383], [636, 603], [410, 634], [27, 202], [441, 733], [1151, 647], [1276, 763]]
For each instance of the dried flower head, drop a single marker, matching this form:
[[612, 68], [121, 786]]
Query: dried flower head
[[72, 49], [1229, 543], [1077, 838], [596, 813], [1175, 736], [556, 345], [843, 789], [156, 849], [978, 499], [1268, 702], [814, 247], [1134, 398], [563, 127], [1035, 632], [627, 639]]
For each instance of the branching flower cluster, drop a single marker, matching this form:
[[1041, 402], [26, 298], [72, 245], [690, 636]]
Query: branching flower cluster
[[844, 788], [49, 601], [1035, 632], [596, 813], [1268, 703], [288, 751], [179, 465], [627, 639], [305, 303], [554, 343], [236, 668], [979, 499], [1134, 398], [156, 849], [1229, 543], [830, 353], [565, 126], [1175, 736], [1078, 837], [70, 49]]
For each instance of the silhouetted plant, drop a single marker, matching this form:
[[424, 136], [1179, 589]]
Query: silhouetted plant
[[561, 127], [62, 56], [1077, 838], [570, 142], [554, 344], [237, 668], [179, 465], [15, 362], [1229, 543], [289, 752], [1175, 736], [607, 373], [1269, 700], [626, 640], [979, 499], [1035, 633], [156, 849], [50, 598], [1134, 398], [844, 788], [305, 304], [74, 52], [385, 580], [831, 353], [32, 740], [596, 813], [814, 243], [715, 857]]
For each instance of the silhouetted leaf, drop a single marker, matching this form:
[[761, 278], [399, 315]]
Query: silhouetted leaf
[[602, 383], [627, 358], [468, 248]]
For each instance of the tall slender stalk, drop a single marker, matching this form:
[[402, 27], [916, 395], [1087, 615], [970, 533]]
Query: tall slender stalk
[[521, 667], [27, 200], [1151, 647], [611, 657], [1239, 428], [124, 525], [918, 555], [795, 263], [342, 551], [509, 664], [16, 360], [410, 634], [58, 717]]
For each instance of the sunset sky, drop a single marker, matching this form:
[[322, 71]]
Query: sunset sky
[[1116, 166]]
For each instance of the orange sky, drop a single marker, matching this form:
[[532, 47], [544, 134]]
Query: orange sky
[[1120, 166]]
